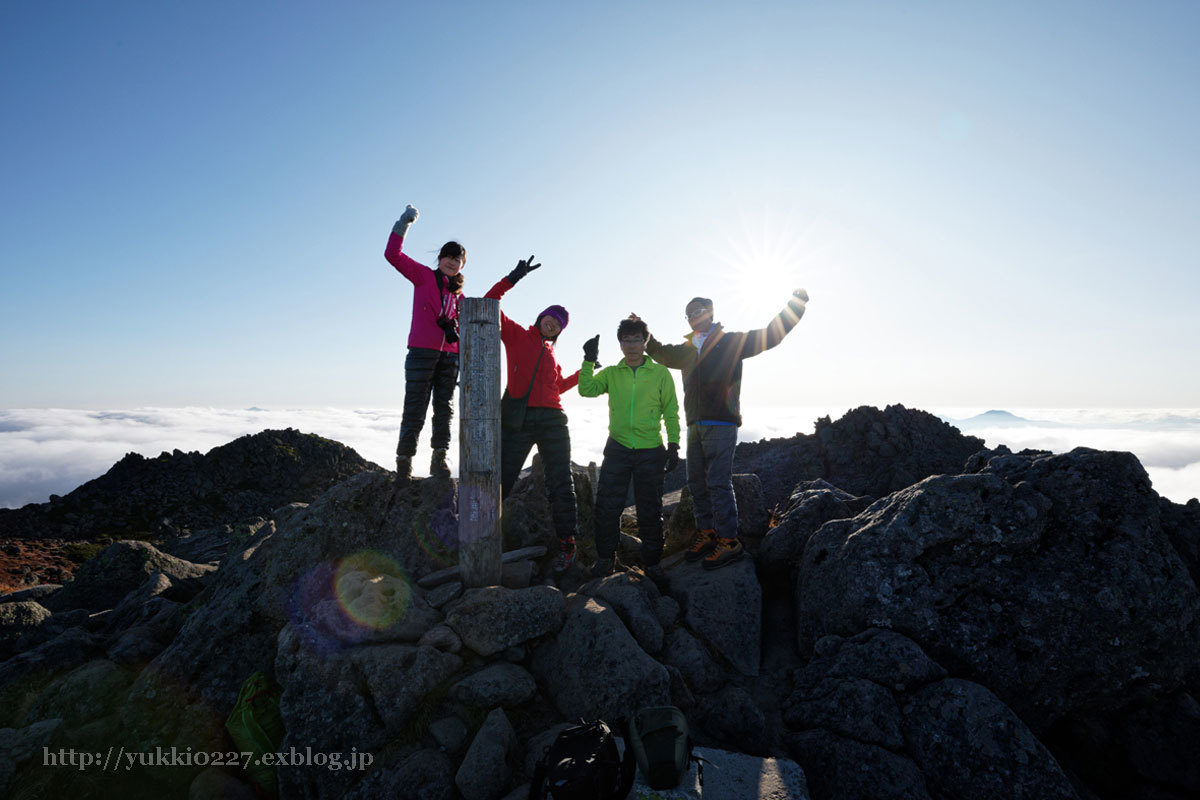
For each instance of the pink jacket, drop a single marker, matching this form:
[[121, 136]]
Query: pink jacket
[[428, 302]]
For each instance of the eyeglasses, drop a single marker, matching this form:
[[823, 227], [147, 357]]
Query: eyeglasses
[[628, 341], [698, 312]]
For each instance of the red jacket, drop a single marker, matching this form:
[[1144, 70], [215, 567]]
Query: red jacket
[[429, 302], [522, 346]]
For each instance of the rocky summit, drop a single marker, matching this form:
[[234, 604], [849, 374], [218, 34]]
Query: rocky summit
[[921, 618], [178, 491]]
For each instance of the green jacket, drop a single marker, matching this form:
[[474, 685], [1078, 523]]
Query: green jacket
[[638, 402]]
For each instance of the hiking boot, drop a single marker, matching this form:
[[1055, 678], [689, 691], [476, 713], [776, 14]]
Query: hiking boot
[[404, 468], [726, 552], [566, 555], [437, 465], [706, 542]]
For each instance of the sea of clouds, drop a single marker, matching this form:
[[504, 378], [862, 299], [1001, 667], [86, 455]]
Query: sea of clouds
[[52, 451]]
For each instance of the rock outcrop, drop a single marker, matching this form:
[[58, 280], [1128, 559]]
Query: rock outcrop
[[1007, 625], [179, 491]]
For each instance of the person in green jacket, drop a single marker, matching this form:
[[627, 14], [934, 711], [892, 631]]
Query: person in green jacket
[[711, 362], [641, 397]]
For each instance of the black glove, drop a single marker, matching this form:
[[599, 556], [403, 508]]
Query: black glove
[[672, 460], [591, 349], [523, 268]]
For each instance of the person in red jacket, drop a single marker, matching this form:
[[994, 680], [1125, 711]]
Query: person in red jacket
[[431, 367], [533, 369]]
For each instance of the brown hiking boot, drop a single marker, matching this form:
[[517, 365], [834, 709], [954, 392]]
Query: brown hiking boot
[[705, 543], [725, 552]]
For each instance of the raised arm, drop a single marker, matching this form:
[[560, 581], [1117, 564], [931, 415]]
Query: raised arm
[[763, 339], [413, 270], [675, 356], [592, 383]]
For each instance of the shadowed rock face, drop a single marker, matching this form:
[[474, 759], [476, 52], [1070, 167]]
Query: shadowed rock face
[[248, 477], [1048, 579], [866, 452], [1014, 625]]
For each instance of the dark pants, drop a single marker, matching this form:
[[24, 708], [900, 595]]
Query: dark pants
[[644, 467], [710, 477], [547, 428], [427, 372]]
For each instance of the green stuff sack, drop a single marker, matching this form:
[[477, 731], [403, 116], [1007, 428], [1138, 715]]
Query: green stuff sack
[[256, 726], [661, 745]]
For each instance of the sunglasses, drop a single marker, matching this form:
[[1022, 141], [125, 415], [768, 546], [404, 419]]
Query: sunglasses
[[698, 312]]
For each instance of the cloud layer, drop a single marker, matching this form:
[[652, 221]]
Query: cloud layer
[[52, 451]]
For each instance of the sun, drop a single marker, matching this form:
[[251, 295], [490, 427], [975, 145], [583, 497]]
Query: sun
[[763, 262]]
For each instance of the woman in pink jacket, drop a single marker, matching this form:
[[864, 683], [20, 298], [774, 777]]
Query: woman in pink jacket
[[431, 367]]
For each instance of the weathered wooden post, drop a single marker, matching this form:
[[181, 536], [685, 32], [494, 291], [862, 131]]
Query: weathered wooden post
[[479, 534]]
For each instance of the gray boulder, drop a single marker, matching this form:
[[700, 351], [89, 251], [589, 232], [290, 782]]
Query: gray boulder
[[441, 637], [685, 652], [500, 684], [25, 675], [24, 746], [441, 595], [17, 619], [216, 783], [839, 768], [877, 702], [491, 619], [484, 773], [86, 693], [356, 697], [32, 593], [723, 607], [1045, 578], [733, 720], [449, 732], [969, 744], [366, 523], [633, 600], [811, 505], [422, 775], [120, 568], [595, 669], [737, 775]]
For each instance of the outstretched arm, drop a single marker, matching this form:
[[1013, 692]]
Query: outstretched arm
[[763, 339], [413, 270], [675, 356]]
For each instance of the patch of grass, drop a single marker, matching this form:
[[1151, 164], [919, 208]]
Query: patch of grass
[[80, 552]]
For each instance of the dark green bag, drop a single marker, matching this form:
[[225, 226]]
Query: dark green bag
[[256, 726], [661, 745]]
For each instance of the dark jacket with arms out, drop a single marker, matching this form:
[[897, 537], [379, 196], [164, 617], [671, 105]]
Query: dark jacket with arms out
[[712, 375]]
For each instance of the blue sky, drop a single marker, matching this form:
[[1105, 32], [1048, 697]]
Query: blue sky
[[991, 205]]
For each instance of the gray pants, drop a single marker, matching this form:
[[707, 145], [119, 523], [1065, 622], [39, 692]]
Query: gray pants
[[710, 477]]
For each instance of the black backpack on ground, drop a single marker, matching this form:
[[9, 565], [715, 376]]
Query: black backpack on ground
[[584, 764]]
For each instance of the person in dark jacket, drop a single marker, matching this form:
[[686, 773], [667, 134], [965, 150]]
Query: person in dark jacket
[[533, 370], [431, 367], [641, 399], [711, 362]]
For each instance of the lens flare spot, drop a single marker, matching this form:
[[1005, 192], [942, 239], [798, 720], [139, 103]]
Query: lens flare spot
[[372, 589]]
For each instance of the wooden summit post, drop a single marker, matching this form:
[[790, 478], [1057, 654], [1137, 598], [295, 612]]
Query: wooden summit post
[[479, 534]]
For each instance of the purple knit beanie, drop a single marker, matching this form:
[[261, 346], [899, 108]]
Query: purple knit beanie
[[559, 313]]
